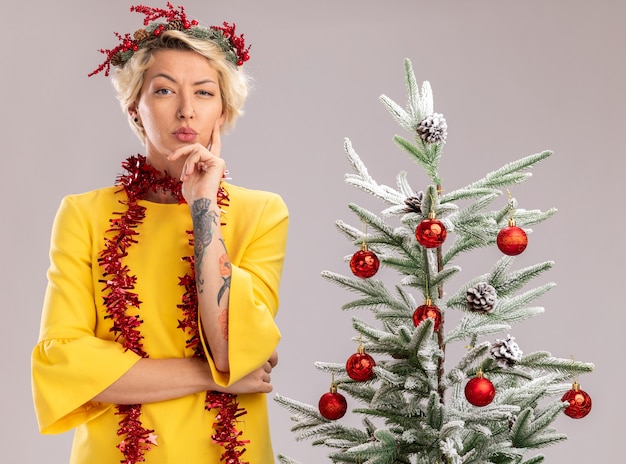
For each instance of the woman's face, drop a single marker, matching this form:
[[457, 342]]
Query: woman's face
[[179, 103]]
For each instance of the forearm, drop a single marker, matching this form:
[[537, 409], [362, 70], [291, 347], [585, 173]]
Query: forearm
[[213, 274], [152, 380]]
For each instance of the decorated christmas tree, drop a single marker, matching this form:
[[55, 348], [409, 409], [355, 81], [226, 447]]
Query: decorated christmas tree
[[495, 403]]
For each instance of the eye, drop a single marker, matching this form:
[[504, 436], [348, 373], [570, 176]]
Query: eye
[[163, 91], [205, 93]]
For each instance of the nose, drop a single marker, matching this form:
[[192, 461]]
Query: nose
[[185, 109]]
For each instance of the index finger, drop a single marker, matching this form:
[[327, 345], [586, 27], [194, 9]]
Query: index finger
[[216, 140]]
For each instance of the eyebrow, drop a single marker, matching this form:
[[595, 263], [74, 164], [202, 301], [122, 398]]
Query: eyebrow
[[170, 78]]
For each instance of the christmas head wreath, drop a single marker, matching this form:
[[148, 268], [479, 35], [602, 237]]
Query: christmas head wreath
[[175, 20]]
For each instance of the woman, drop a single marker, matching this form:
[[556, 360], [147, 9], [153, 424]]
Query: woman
[[158, 336]]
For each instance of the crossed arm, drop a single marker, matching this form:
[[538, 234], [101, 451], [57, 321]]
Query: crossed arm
[[152, 380]]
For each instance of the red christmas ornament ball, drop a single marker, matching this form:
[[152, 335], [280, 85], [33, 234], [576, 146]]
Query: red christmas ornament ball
[[512, 240], [425, 311], [479, 391], [360, 366], [364, 263], [332, 405], [579, 402], [431, 233]]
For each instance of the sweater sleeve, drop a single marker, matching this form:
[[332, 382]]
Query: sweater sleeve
[[256, 271], [70, 365]]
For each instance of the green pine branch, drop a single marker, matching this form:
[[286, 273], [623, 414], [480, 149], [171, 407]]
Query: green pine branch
[[374, 293], [544, 361], [507, 311], [510, 173], [530, 428], [505, 283], [426, 155], [361, 179]]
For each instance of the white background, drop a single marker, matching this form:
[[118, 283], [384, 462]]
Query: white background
[[512, 78]]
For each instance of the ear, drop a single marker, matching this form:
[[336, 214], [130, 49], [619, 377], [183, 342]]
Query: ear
[[133, 113]]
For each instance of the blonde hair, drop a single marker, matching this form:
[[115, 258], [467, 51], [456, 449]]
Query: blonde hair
[[234, 83]]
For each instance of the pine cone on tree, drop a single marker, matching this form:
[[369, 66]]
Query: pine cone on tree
[[414, 203], [433, 128], [481, 298], [506, 352]]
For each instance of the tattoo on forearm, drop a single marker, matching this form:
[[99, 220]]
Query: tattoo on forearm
[[225, 273], [204, 223]]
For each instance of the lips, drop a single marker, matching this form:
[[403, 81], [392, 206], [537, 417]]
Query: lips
[[185, 134]]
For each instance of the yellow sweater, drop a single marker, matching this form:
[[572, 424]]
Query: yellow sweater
[[76, 357]]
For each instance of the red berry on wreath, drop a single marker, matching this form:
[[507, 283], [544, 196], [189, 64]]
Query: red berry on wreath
[[512, 240], [431, 233], [333, 405], [428, 309], [479, 391], [360, 366], [579, 402], [364, 263]]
